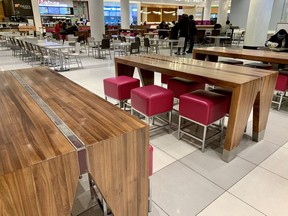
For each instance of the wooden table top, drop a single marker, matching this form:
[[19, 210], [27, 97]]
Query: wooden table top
[[249, 54], [27, 136], [206, 72], [85, 113], [36, 157]]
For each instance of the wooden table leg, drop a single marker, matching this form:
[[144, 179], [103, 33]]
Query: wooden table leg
[[262, 105], [146, 76], [243, 98], [122, 69]]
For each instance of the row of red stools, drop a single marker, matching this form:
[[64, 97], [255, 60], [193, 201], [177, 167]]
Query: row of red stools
[[195, 104]]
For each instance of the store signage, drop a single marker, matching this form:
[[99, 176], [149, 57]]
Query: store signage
[[23, 8]]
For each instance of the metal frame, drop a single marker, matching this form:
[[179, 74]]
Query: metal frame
[[204, 139]]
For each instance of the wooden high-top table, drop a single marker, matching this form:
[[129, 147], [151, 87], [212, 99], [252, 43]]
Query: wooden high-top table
[[52, 130], [212, 54], [251, 88]]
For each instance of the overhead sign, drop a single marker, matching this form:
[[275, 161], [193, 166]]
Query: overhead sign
[[23, 8]]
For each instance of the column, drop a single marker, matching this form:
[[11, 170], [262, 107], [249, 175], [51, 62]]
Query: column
[[96, 13], [36, 15], [125, 14], [144, 15], [207, 10], [139, 13], [257, 29], [222, 12]]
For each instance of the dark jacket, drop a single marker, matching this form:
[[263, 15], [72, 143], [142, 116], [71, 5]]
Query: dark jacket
[[184, 26], [174, 31], [193, 29], [278, 39]]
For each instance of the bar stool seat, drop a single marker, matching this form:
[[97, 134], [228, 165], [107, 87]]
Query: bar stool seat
[[226, 92], [204, 108], [259, 65], [181, 86], [120, 87], [152, 100], [281, 88], [231, 61]]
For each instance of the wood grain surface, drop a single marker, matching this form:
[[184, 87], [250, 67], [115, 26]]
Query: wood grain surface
[[42, 158], [212, 53], [251, 88]]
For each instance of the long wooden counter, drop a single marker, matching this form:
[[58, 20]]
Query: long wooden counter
[[39, 167], [251, 88], [212, 54]]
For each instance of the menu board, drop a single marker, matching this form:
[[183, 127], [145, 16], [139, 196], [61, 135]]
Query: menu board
[[53, 10], [46, 10]]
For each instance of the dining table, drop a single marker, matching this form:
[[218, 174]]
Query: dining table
[[54, 131], [261, 54], [251, 88]]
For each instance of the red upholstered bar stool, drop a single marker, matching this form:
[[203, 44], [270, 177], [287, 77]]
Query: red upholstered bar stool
[[165, 78], [151, 101], [181, 86], [119, 88], [280, 89], [227, 93], [203, 108], [259, 65]]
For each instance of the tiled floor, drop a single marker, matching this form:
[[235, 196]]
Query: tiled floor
[[188, 182]]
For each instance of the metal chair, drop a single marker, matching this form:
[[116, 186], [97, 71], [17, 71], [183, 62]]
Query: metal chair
[[134, 48], [105, 46], [76, 55]]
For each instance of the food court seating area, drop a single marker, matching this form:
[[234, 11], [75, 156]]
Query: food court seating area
[[179, 166]]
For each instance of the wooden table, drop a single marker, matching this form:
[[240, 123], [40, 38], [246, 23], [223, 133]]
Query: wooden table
[[212, 54], [251, 88], [39, 166]]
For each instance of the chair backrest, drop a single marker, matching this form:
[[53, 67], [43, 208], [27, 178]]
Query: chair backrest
[[105, 44], [123, 39], [134, 48], [146, 42], [137, 40], [181, 41]]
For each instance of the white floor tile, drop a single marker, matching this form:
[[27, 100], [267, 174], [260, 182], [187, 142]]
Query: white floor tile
[[277, 162], [265, 191], [161, 159], [171, 145], [229, 205]]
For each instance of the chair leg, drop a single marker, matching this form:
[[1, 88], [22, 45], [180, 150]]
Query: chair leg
[[280, 101], [204, 138], [179, 128]]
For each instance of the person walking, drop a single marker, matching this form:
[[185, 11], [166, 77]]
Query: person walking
[[184, 28], [192, 33]]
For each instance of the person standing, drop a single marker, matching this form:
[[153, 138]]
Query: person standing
[[184, 28], [192, 33], [63, 31], [57, 30]]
